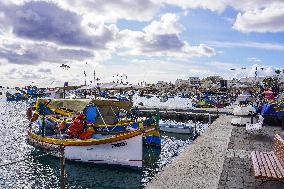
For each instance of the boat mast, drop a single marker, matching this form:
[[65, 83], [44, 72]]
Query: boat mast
[[85, 75], [94, 77]]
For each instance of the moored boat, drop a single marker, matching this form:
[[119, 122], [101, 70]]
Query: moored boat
[[245, 110], [273, 111], [182, 128], [121, 149], [91, 130]]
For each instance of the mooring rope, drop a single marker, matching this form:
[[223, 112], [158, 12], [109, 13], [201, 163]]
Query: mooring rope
[[101, 116]]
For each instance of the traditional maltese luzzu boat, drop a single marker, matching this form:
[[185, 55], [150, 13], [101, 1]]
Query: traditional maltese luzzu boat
[[88, 132]]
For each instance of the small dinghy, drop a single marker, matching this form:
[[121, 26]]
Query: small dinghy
[[172, 127]]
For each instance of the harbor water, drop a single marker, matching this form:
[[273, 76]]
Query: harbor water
[[35, 171]]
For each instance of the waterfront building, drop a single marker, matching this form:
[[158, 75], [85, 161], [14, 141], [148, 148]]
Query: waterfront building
[[182, 83], [194, 81]]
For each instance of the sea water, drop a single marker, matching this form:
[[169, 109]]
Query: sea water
[[44, 171]]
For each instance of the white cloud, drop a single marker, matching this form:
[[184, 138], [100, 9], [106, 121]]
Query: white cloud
[[111, 10], [168, 24], [245, 5], [19, 51], [249, 44], [260, 70], [46, 74], [70, 31], [218, 5], [155, 70], [253, 16], [268, 19], [161, 38], [254, 60]]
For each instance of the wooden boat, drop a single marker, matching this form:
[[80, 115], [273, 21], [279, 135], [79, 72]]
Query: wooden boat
[[89, 133], [104, 116], [273, 111], [121, 149]]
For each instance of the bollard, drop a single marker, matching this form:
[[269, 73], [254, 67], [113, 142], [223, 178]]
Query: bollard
[[209, 118]]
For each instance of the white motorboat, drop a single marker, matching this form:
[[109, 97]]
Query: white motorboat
[[171, 127], [244, 110]]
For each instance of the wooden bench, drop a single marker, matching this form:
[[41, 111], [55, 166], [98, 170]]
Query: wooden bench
[[269, 166]]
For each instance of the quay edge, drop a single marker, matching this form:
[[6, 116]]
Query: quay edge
[[200, 164]]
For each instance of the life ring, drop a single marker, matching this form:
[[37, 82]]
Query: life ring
[[31, 116]]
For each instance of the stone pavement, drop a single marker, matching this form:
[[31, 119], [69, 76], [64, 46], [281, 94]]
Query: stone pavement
[[200, 165], [219, 158], [237, 172]]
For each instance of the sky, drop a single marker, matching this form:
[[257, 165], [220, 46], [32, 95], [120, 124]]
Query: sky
[[147, 40]]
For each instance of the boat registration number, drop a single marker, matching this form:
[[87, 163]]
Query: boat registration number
[[119, 144]]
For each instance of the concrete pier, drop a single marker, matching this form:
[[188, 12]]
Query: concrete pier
[[200, 165], [219, 158], [183, 115], [180, 116], [227, 111]]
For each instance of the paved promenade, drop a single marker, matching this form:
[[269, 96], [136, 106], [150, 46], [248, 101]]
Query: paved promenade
[[237, 171], [219, 158], [200, 165]]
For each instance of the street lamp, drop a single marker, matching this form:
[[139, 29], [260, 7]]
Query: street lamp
[[65, 67]]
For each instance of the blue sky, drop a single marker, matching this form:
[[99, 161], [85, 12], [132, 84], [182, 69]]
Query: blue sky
[[147, 40]]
